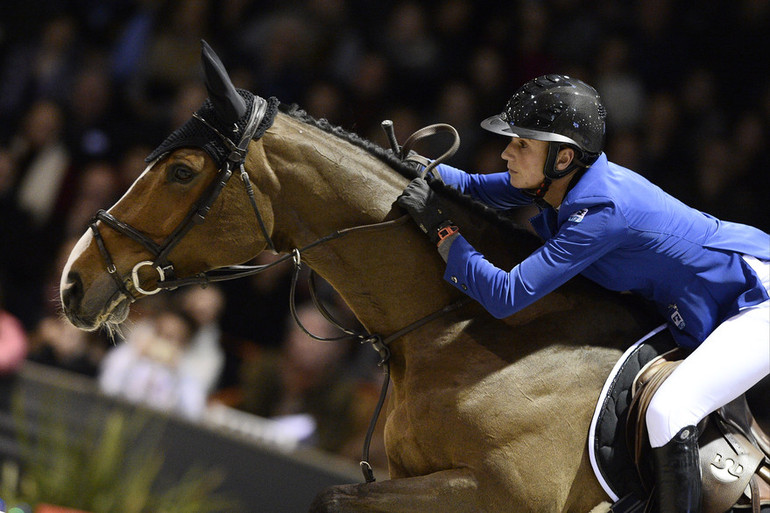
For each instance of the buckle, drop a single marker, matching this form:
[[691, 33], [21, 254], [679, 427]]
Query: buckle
[[445, 232], [135, 277]]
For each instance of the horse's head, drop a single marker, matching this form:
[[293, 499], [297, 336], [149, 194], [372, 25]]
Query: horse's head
[[179, 218]]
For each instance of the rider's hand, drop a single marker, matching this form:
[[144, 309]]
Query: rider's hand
[[422, 204]]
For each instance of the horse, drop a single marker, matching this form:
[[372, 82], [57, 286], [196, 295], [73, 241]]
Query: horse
[[484, 414]]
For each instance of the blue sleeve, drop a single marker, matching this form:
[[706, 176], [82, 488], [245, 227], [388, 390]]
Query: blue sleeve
[[493, 189], [502, 293]]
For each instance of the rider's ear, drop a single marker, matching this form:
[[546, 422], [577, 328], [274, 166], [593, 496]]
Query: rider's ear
[[564, 158], [228, 104]]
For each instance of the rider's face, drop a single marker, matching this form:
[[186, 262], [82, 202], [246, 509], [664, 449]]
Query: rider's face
[[525, 159]]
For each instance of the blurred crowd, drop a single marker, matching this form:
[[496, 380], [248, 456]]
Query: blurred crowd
[[88, 88]]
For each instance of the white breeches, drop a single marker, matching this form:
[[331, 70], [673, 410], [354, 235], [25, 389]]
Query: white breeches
[[730, 361]]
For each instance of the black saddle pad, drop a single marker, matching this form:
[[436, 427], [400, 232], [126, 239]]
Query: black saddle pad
[[610, 456]]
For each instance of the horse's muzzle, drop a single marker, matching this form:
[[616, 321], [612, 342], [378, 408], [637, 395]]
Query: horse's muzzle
[[72, 294], [90, 315]]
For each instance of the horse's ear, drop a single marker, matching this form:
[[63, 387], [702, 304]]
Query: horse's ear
[[227, 102]]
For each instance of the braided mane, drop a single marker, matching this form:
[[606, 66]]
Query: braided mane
[[410, 171]]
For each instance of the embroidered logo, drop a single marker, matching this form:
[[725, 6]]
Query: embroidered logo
[[578, 216], [676, 317]]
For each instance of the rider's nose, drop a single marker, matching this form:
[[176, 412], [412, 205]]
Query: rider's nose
[[72, 292], [507, 154]]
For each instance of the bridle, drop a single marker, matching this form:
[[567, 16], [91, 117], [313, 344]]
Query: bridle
[[197, 215]]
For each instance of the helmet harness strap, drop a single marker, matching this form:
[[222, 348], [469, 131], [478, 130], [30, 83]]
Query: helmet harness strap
[[549, 173]]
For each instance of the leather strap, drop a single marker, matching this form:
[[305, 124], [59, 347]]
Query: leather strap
[[111, 269], [755, 502], [427, 132]]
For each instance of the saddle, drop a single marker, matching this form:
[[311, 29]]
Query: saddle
[[734, 451]]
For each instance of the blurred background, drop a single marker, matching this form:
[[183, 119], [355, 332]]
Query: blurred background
[[89, 87]]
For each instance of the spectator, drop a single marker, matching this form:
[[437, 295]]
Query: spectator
[[131, 46], [324, 100], [146, 368], [456, 106], [621, 90], [204, 359], [488, 77], [38, 68], [58, 343], [369, 86], [256, 306], [13, 341], [662, 121], [92, 125], [173, 56], [455, 28], [703, 115], [751, 133], [42, 160], [188, 99], [97, 187], [303, 384], [18, 268], [409, 44], [281, 46], [532, 41], [626, 148]]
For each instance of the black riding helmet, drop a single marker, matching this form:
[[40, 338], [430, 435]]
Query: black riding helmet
[[559, 110]]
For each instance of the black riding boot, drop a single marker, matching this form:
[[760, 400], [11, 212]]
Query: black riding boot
[[677, 474]]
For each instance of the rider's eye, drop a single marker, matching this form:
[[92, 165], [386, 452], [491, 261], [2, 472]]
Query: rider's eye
[[181, 174]]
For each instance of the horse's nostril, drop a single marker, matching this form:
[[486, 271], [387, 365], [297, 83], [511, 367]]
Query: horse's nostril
[[72, 292]]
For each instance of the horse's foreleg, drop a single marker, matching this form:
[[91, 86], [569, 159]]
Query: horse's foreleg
[[449, 491]]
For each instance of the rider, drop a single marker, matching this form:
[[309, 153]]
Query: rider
[[709, 278]]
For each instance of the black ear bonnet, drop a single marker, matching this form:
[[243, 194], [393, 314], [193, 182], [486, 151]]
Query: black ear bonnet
[[195, 134]]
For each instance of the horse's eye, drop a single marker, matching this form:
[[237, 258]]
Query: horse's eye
[[181, 174]]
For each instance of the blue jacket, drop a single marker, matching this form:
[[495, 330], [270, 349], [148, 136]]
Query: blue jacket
[[626, 234]]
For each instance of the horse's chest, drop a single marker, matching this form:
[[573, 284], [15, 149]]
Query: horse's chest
[[417, 438], [439, 428]]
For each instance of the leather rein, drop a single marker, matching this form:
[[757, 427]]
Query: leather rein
[[197, 215]]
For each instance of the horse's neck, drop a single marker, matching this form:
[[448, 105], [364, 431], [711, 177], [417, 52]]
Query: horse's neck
[[388, 276], [318, 184]]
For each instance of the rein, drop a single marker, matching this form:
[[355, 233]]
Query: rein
[[379, 344]]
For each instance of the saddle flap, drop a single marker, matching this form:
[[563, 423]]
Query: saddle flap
[[646, 383]]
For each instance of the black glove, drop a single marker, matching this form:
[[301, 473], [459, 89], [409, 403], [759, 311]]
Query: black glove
[[422, 204]]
